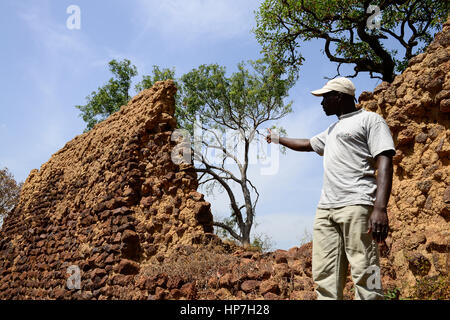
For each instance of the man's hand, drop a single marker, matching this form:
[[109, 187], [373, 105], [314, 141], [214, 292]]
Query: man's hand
[[378, 224], [378, 221], [294, 144], [273, 136]]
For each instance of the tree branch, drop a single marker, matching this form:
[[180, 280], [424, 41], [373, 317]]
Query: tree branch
[[234, 206], [230, 230], [221, 147], [257, 193], [232, 176], [387, 62]]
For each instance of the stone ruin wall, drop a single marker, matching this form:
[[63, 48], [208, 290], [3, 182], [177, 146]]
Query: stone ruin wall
[[416, 106], [109, 200]]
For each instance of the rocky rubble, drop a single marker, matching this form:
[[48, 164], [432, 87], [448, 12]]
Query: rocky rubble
[[216, 273]]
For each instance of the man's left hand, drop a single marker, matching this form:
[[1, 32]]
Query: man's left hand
[[378, 224]]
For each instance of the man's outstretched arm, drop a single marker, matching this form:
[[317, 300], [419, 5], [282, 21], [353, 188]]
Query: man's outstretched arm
[[294, 144], [378, 222]]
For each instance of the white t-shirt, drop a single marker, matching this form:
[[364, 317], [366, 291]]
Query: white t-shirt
[[349, 147]]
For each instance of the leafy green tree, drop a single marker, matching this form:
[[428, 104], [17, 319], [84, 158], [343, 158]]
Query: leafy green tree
[[158, 74], [9, 192], [111, 96], [239, 104], [116, 93], [163, 74], [350, 31]]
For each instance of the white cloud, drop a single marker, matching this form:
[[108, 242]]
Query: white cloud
[[56, 38], [194, 19]]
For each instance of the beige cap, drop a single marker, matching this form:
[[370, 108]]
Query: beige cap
[[339, 84]]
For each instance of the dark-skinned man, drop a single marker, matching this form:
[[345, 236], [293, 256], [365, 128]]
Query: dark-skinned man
[[351, 216]]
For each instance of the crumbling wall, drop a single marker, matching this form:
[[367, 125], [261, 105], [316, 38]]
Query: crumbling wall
[[416, 106], [109, 200]]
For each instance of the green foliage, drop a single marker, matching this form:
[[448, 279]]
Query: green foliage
[[242, 101], [392, 294], [281, 132], [111, 96], [262, 242], [158, 75], [283, 25]]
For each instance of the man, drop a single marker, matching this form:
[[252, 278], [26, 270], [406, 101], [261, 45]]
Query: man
[[351, 216]]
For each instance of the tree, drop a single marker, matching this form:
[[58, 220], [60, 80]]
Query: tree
[[9, 192], [116, 93], [158, 74], [163, 74], [236, 105], [261, 242], [242, 103], [350, 35], [111, 96]]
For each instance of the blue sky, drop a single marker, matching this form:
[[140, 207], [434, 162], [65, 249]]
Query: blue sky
[[47, 69]]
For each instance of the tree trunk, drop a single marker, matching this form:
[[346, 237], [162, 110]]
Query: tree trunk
[[388, 75], [246, 237]]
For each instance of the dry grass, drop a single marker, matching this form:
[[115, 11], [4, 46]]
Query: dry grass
[[202, 264]]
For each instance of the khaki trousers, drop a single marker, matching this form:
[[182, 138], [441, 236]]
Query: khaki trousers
[[340, 237]]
